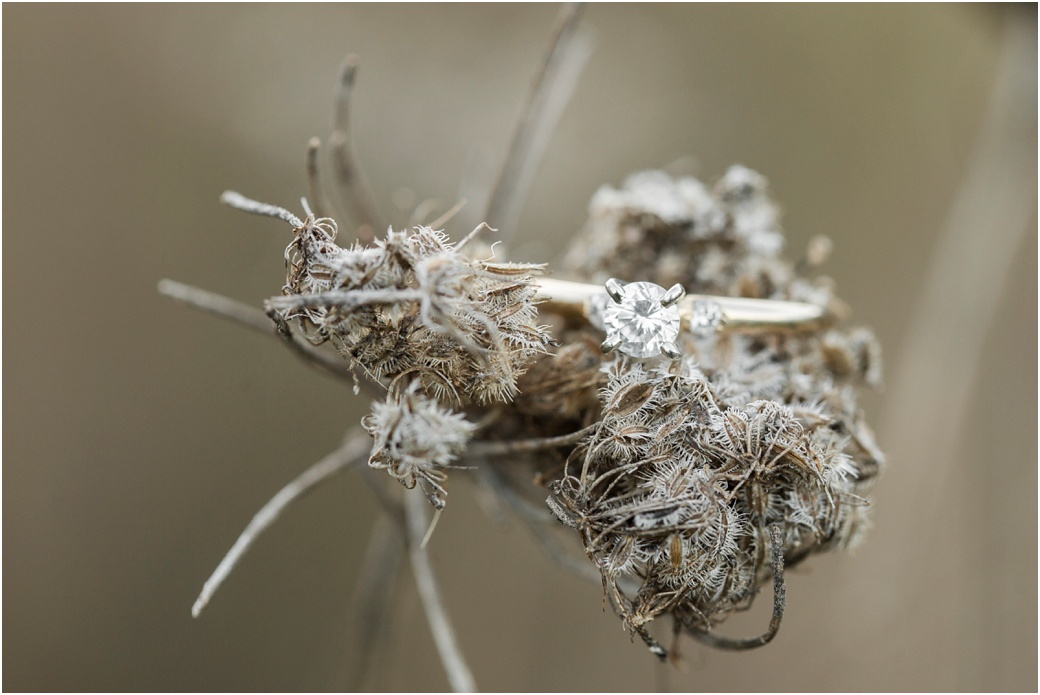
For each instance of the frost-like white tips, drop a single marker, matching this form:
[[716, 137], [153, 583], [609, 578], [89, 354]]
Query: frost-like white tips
[[415, 439], [615, 289], [674, 294]]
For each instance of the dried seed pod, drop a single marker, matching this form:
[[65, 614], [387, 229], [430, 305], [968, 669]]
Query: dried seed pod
[[413, 304], [415, 440], [695, 462]]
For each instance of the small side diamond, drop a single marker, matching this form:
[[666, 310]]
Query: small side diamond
[[597, 306], [705, 318], [641, 325]]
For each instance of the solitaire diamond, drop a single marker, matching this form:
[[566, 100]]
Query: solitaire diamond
[[638, 324]]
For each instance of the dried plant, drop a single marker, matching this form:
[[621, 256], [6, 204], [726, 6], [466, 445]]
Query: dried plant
[[415, 440], [411, 306], [689, 482]]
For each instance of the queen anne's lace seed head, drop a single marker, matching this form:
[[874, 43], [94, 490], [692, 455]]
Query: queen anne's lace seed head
[[413, 304], [415, 440], [440, 326], [694, 461], [687, 480], [683, 470]]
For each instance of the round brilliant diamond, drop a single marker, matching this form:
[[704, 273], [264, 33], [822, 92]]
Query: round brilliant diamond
[[640, 322]]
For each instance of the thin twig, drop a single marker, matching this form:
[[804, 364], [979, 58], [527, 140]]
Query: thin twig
[[992, 214], [371, 601], [345, 299], [377, 483], [356, 192], [459, 675], [217, 304], [472, 235], [317, 193], [352, 452], [446, 217], [253, 318], [776, 541], [309, 353], [549, 95], [240, 202], [964, 284], [521, 446]]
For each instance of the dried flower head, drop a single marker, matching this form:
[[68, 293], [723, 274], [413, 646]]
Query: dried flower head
[[415, 440], [413, 305], [695, 462], [690, 482]]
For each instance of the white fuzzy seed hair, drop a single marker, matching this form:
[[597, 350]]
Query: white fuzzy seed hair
[[415, 440]]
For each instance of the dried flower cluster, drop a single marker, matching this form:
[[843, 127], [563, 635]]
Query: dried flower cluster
[[413, 305], [689, 480], [438, 325], [416, 439], [694, 461]]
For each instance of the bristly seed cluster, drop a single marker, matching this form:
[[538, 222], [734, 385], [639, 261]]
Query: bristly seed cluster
[[444, 330], [689, 481], [416, 439], [696, 460]]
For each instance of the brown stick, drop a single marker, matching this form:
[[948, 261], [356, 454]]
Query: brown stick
[[519, 446], [354, 186], [245, 315], [318, 200], [459, 675]]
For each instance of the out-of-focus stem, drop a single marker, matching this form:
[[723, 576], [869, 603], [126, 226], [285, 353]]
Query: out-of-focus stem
[[352, 451], [459, 675], [353, 184]]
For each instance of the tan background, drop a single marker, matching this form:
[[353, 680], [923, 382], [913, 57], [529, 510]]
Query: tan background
[[141, 436]]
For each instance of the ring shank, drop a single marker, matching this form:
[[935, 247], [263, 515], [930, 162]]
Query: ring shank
[[740, 314]]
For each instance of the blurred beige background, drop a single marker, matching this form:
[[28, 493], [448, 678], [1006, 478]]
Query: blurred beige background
[[142, 436]]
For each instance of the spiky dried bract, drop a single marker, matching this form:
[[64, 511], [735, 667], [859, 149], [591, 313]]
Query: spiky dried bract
[[412, 305], [694, 461], [563, 385], [416, 439], [724, 241]]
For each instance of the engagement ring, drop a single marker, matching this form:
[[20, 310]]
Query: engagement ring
[[642, 319]]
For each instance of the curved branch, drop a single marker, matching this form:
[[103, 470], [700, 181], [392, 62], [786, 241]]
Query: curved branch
[[371, 602], [240, 202], [352, 451], [253, 318], [518, 446], [776, 540], [314, 187], [549, 94]]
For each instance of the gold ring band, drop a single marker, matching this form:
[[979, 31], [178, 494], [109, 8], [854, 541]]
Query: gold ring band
[[739, 314]]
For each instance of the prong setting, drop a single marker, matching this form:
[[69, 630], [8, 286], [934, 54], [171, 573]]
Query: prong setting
[[671, 350], [615, 289], [610, 344], [673, 295], [637, 323]]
